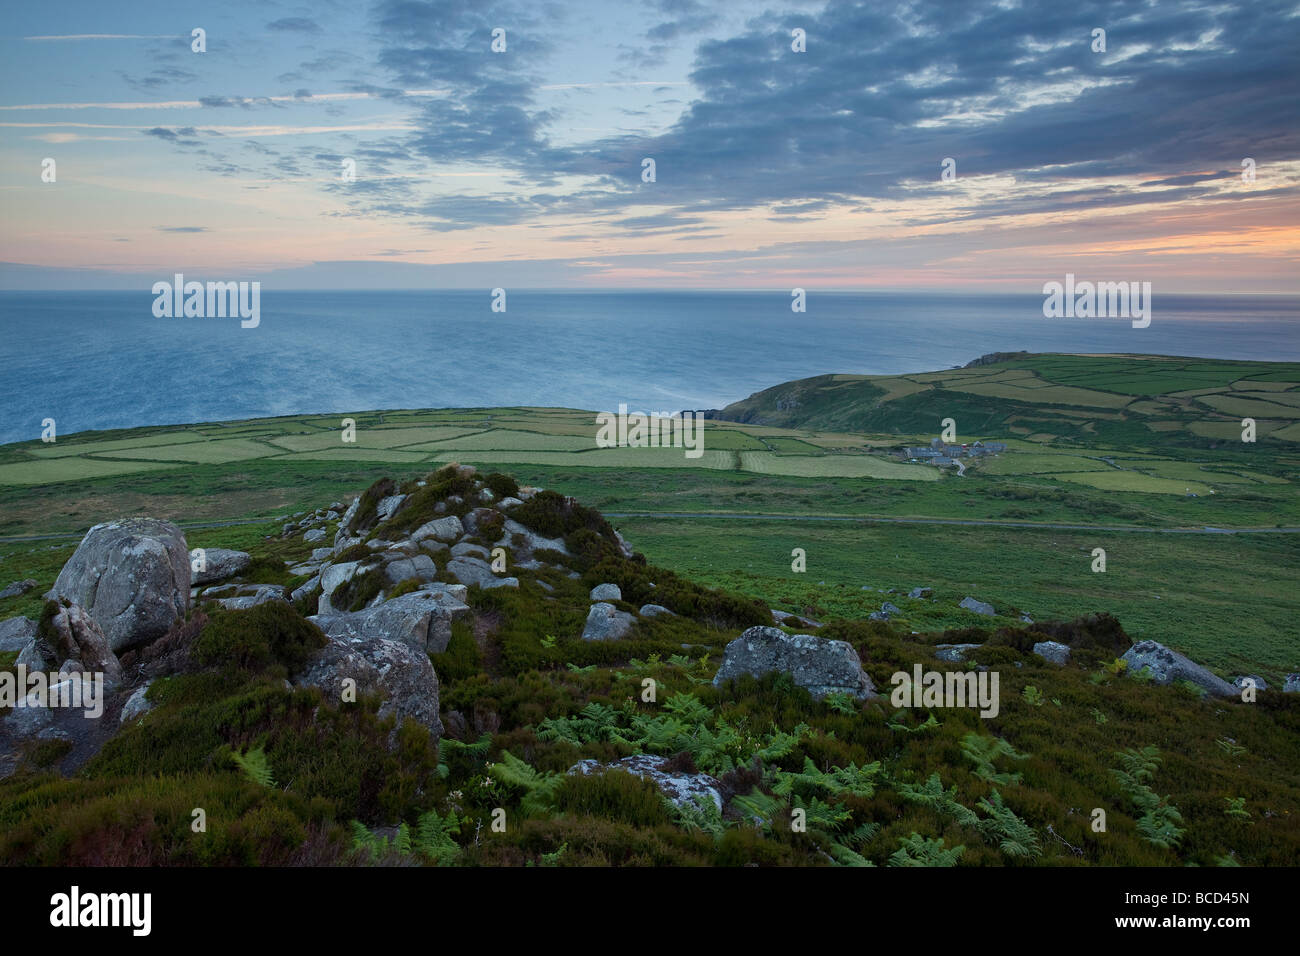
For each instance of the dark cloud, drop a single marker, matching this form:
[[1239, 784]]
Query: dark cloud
[[881, 96]]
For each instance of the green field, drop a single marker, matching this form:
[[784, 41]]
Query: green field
[[1121, 466]]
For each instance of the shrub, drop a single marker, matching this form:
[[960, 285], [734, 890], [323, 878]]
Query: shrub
[[491, 526], [368, 510], [554, 516], [357, 592], [503, 486], [258, 638], [613, 795], [421, 506]]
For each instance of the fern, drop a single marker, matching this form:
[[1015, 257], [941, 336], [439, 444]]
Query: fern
[[433, 838], [895, 724], [842, 702], [539, 788], [1158, 823], [254, 763], [701, 814], [859, 781], [984, 750], [759, 808], [402, 843], [1014, 836], [931, 794], [843, 856], [1237, 807], [449, 747], [916, 850]]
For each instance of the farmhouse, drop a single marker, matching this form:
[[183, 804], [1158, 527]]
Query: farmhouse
[[940, 453]]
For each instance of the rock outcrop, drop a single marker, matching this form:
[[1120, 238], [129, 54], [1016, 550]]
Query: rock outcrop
[[679, 787], [822, 666], [132, 576], [402, 674], [606, 623], [217, 564], [421, 619], [1165, 666]]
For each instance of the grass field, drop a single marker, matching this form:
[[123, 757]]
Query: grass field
[[1227, 598], [1200, 594]]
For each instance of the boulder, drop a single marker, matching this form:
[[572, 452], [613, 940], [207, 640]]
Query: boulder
[[785, 619], [473, 521], [137, 705], [330, 578], [606, 592], [17, 588], [532, 540], [1053, 651], [822, 666], [387, 507], [1292, 684], [132, 576], [624, 548], [398, 671], [73, 642], [466, 549], [254, 595], [1240, 682], [606, 623], [953, 652], [655, 610], [345, 524], [978, 607], [890, 609], [16, 633], [922, 593], [420, 567], [442, 529], [420, 619], [314, 534], [302, 590], [508, 502], [680, 788], [321, 554], [470, 571], [1166, 666]]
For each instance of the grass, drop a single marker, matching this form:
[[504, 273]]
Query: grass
[[1196, 593]]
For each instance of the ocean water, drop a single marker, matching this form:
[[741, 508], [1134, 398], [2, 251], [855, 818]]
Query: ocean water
[[95, 360]]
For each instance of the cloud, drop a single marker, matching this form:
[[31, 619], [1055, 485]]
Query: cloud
[[294, 25], [183, 229]]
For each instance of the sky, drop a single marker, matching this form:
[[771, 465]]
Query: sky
[[388, 145]]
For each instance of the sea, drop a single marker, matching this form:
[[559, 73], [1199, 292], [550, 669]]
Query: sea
[[101, 360]]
